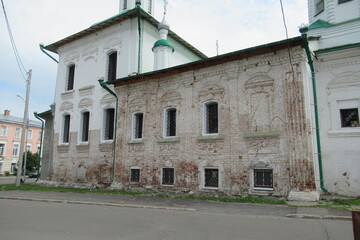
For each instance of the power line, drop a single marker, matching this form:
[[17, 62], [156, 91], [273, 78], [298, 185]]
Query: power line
[[12, 40]]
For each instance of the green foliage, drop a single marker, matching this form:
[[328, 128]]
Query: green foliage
[[31, 161], [350, 201], [7, 173]]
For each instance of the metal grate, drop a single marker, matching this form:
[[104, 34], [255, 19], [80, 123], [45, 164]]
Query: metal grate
[[135, 175], [171, 122], [349, 117], [112, 66], [263, 178], [211, 177], [109, 124], [168, 176], [211, 117], [71, 76]]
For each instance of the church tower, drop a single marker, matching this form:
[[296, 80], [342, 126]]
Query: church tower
[[147, 5]]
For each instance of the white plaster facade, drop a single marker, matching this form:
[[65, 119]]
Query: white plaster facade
[[334, 36]]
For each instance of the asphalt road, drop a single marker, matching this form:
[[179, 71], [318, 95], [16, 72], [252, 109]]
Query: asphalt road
[[11, 180], [55, 221]]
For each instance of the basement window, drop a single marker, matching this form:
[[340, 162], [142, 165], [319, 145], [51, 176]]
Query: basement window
[[168, 176], [212, 177], [349, 117], [263, 178], [135, 174]]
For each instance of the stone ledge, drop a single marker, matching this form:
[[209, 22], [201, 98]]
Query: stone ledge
[[262, 134], [135, 142], [210, 137], [168, 140]]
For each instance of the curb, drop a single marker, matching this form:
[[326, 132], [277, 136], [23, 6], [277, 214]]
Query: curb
[[98, 203], [308, 216]]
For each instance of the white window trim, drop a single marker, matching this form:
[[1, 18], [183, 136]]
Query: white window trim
[[29, 134], [161, 175], [18, 148], [3, 142], [29, 145], [165, 119], [108, 62], [133, 125], [103, 140], [4, 133], [204, 107], [15, 133], [80, 142], [135, 167], [203, 180], [253, 180]]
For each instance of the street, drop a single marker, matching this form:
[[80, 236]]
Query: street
[[44, 220], [11, 180]]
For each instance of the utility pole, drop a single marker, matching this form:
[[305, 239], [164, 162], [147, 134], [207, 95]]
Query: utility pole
[[25, 121]]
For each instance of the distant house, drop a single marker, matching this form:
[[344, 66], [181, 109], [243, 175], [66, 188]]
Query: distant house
[[10, 138]]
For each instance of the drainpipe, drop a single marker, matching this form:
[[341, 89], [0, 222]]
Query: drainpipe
[[138, 4], [317, 128], [103, 85], [42, 48], [41, 140]]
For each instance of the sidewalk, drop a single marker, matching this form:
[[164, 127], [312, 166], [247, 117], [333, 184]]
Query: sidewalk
[[178, 204]]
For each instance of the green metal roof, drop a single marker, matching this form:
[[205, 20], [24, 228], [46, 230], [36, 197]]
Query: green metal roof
[[163, 42], [320, 24]]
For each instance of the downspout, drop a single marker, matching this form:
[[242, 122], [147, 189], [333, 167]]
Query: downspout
[[317, 128], [138, 4], [42, 48], [41, 140], [103, 85]]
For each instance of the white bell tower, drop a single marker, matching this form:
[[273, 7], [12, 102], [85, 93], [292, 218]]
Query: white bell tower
[[146, 5]]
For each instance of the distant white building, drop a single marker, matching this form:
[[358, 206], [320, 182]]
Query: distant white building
[[334, 37]]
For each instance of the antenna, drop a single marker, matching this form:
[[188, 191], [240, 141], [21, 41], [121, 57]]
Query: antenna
[[217, 47]]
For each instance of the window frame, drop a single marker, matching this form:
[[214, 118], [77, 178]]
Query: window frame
[[263, 187], [317, 7], [84, 127], [3, 131], [167, 127], [108, 126], [29, 147], [29, 134], [17, 149], [342, 123], [163, 176], [205, 177], [134, 133], [149, 6], [125, 3], [70, 77], [3, 149], [111, 70], [132, 180], [17, 133], [65, 130], [205, 125]]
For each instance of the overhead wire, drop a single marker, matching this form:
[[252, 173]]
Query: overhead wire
[[20, 64]]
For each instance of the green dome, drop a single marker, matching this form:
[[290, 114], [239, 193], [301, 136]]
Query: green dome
[[163, 42]]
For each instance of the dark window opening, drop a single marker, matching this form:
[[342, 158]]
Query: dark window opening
[[149, 6], [349, 117], [71, 76], [125, 5], [343, 1], [135, 175], [168, 176], [109, 124], [171, 122], [138, 125], [85, 127], [319, 6], [211, 117], [66, 130], [263, 178], [211, 177], [112, 66]]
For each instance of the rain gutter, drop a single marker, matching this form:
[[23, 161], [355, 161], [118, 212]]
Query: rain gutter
[[139, 29], [41, 141], [42, 48]]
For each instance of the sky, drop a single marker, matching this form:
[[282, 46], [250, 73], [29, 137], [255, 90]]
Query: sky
[[235, 24]]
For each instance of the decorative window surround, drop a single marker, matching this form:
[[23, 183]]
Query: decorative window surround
[[87, 90], [67, 95]]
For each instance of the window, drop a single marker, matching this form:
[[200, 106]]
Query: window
[[135, 174], [319, 6], [211, 177], [13, 167], [29, 134], [349, 117], [29, 147], [15, 151], [109, 124], [211, 118], [170, 122], [3, 131], [70, 77], [40, 136], [85, 118], [2, 149], [343, 1], [125, 4], [263, 178], [168, 176], [17, 132], [149, 6], [112, 61], [66, 129], [138, 125]]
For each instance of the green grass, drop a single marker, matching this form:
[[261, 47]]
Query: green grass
[[245, 199], [349, 202]]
